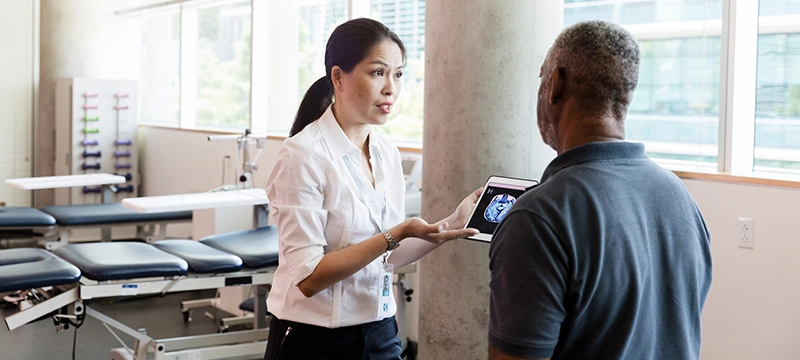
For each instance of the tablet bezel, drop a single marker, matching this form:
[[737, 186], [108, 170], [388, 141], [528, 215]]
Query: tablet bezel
[[504, 180]]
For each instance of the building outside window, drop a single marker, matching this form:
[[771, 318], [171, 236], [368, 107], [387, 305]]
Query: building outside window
[[223, 65], [676, 107], [159, 83], [777, 123], [407, 19]]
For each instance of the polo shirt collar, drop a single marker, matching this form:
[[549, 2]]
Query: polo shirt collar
[[605, 150]]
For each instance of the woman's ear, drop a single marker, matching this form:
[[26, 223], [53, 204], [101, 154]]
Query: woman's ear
[[336, 77]]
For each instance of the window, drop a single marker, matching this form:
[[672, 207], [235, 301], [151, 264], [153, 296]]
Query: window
[[407, 19], [196, 64], [159, 83], [316, 21], [703, 103], [223, 65], [777, 122], [675, 108], [204, 60]]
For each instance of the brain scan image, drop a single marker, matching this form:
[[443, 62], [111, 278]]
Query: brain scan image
[[498, 208]]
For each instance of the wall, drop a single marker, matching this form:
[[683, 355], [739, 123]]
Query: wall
[[753, 308], [79, 38], [173, 161]]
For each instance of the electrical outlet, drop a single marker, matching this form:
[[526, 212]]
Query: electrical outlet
[[746, 238]]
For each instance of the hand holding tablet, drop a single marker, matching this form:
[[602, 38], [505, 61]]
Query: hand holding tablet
[[499, 194]]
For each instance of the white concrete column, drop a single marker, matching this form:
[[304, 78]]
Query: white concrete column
[[79, 38], [481, 81]]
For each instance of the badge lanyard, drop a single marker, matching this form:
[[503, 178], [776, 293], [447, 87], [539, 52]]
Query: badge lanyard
[[385, 278]]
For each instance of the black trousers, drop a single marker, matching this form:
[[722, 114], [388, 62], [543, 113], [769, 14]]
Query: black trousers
[[289, 340]]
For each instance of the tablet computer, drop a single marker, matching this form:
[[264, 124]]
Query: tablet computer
[[498, 195]]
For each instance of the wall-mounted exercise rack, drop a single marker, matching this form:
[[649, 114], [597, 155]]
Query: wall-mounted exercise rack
[[91, 158], [96, 126]]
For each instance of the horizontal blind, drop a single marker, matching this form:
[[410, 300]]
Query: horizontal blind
[[16, 97]]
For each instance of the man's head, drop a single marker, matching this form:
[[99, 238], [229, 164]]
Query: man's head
[[589, 75]]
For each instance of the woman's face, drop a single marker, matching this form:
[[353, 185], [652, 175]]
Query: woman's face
[[367, 94]]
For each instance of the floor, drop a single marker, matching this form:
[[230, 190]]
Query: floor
[[159, 317]]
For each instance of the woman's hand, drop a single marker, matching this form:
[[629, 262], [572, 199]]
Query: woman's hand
[[434, 233], [460, 217]]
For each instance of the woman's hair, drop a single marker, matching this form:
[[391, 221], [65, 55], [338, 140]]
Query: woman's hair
[[348, 45]]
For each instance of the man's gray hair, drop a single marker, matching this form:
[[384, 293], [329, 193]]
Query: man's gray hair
[[601, 64]]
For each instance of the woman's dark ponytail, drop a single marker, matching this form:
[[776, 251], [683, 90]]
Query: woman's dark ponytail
[[348, 45], [317, 99]]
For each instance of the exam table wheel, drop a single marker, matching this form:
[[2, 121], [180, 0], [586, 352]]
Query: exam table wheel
[[187, 316]]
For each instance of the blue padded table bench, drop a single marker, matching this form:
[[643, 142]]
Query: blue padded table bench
[[202, 259], [258, 248], [122, 260], [18, 222], [31, 268], [106, 215], [113, 269]]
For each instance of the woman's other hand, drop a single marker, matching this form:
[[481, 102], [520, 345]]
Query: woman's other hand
[[435, 233], [459, 218]]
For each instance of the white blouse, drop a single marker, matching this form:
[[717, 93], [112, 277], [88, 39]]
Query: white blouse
[[317, 208]]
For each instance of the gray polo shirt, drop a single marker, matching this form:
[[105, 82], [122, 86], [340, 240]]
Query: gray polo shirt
[[607, 259]]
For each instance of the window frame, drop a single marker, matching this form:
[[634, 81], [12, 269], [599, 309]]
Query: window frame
[[737, 102]]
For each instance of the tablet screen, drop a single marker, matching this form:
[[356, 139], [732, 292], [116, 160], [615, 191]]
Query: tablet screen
[[499, 194]]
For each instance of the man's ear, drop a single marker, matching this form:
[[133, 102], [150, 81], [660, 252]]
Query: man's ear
[[336, 75], [556, 85]]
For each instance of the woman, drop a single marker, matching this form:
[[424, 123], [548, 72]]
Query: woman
[[336, 188]]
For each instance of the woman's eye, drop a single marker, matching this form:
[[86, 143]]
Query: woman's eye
[[378, 72], [398, 75]]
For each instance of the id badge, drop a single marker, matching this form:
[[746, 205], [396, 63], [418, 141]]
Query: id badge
[[385, 290]]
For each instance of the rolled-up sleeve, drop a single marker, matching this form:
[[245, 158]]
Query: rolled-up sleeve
[[296, 192]]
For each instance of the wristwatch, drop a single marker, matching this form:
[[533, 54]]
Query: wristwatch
[[391, 243]]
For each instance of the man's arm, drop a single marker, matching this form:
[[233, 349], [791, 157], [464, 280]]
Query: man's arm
[[528, 283], [495, 354]]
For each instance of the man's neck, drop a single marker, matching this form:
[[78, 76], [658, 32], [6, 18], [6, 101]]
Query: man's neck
[[579, 129]]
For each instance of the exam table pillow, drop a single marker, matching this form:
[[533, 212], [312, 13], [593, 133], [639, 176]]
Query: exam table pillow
[[24, 217], [257, 247], [29, 268], [122, 260], [202, 259], [108, 213]]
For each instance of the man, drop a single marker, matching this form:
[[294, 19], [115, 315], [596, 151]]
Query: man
[[609, 257]]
